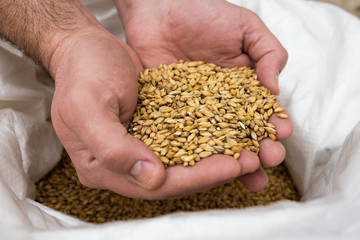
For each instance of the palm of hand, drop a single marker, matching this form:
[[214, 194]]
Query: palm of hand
[[221, 33], [212, 31], [188, 33]]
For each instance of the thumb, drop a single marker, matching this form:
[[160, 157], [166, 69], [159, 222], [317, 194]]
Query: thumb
[[266, 51], [269, 67], [126, 155], [121, 154]]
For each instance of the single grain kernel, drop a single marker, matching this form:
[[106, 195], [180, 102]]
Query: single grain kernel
[[282, 115]]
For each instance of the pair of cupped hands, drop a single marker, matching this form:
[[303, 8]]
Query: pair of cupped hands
[[96, 93]]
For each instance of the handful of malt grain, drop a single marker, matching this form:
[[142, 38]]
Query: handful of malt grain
[[187, 111]]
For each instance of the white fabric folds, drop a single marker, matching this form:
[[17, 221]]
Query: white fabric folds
[[320, 87]]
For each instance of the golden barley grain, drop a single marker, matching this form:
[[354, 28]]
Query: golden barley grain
[[282, 115], [187, 111]]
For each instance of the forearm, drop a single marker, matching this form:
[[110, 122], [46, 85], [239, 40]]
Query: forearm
[[38, 27]]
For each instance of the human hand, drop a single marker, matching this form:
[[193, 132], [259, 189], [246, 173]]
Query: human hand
[[95, 96], [214, 31]]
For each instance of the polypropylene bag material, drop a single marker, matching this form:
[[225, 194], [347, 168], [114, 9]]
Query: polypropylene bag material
[[320, 87]]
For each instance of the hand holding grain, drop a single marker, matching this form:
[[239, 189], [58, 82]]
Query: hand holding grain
[[218, 32], [96, 89]]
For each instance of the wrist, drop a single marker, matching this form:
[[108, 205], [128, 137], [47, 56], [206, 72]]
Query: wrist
[[86, 49], [81, 23], [65, 45]]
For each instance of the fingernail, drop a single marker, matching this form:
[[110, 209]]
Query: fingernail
[[276, 80], [142, 171]]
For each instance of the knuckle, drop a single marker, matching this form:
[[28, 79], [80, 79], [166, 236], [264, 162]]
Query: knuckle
[[110, 154], [87, 171], [115, 156]]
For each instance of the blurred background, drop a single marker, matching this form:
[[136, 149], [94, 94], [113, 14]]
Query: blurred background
[[352, 6]]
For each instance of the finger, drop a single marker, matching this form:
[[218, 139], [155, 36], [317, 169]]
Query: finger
[[268, 53], [284, 126], [206, 174], [268, 69], [271, 153], [255, 181], [249, 161]]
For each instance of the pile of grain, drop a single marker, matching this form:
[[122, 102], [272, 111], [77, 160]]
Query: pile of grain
[[187, 111], [60, 189]]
